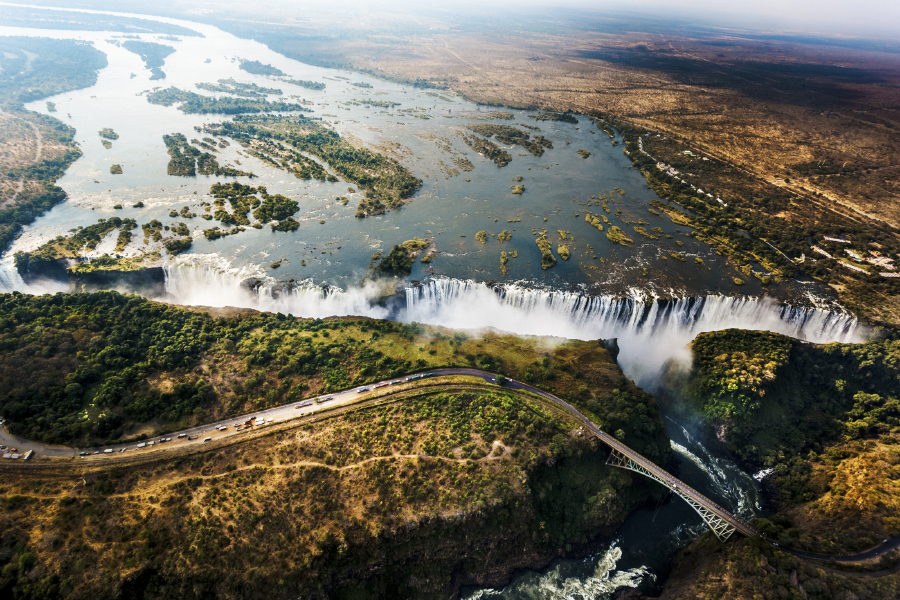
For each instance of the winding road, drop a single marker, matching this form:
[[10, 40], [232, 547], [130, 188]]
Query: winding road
[[197, 435]]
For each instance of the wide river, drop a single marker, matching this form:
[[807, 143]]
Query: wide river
[[423, 130], [581, 297]]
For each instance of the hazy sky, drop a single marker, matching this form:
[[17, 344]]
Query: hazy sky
[[836, 16], [852, 15], [880, 18]]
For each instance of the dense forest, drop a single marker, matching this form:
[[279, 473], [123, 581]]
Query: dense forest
[[386, 182], [105, 362], [824, 418], [773, 396]]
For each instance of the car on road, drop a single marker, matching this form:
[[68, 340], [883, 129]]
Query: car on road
[[142, 445], [122, 449], [362, 389], [182, 435], [207, 439]]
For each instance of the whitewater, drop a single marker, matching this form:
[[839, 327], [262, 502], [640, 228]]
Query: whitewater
[[650, 330]]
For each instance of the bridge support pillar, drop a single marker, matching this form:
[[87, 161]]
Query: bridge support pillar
[[720, 527]]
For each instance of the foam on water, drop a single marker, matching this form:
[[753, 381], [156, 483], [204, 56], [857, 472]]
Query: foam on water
[[553, 585], [650, 330]]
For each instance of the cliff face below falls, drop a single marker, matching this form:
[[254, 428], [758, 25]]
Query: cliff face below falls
[[148, 281]]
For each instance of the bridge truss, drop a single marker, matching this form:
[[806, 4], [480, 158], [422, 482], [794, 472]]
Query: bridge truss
[[722, 528]]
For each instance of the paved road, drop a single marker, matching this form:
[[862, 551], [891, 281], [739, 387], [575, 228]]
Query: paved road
[[197, 435], [328, 401]]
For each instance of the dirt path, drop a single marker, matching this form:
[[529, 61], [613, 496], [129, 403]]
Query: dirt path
[[20, 185], [458, 57]]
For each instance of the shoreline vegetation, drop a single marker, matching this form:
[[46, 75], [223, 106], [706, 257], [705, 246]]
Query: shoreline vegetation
[[744, 218], [56, 66]]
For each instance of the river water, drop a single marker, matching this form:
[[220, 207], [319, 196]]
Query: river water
[[612, 295], [423, 131]]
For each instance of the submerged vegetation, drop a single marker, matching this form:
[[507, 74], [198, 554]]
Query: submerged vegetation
[[617, 236]]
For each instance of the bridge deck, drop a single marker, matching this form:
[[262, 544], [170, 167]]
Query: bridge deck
[[660, 474]]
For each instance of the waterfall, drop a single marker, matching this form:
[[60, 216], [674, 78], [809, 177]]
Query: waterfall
[[203, 285], [650, 330]]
